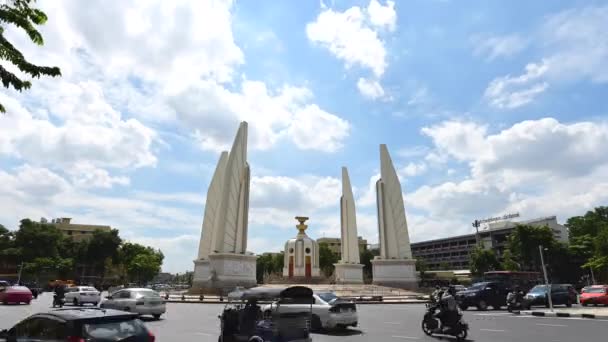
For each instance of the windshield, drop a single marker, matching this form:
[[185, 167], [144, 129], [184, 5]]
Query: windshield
[[594, 290], [539, 289], [114, 331], [478, 286], [144, 293], [328, 297]]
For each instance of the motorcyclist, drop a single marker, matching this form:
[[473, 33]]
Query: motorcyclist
[[514, 297], [59, 293], [448, 308], [436, 295]]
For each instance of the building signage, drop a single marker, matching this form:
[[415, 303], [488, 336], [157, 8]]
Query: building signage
[[499, 218]]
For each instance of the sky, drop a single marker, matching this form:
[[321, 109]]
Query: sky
[[487, 108]]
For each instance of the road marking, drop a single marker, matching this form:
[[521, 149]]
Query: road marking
[[492, 330], [407, 337], [398, 323], [204, 334], [552, 325]]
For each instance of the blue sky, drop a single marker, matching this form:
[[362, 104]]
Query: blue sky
[[487, 107]]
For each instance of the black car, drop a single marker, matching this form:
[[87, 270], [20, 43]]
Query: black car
[[80, 325], [482, 295], [561, 294]]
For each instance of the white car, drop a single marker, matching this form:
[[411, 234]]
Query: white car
[[328, 311], [138, 300], [80, 295]]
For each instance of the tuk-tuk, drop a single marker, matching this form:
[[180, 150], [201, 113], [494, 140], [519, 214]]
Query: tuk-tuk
[[243, 320]]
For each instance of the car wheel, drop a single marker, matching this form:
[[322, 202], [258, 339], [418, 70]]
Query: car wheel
[[584, 304], [463, 307], [75, 302], [5, 302], [156, 316], [316, 324], [95, 304], [126, 309], [482, 305], [569, 303], [27, 303]]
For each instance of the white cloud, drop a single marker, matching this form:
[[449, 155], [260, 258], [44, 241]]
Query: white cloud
[[382, 16], [537, 167], [97, 136], [370, 88], [493, 47], [574, 46], [355, 37], [576, 42], [419, 97], [285, 114], [86, 175], [458, 139], [413, 169], [512, 92]]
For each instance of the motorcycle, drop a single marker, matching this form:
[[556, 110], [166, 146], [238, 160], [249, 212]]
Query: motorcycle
[[58, 301], [432, 325]]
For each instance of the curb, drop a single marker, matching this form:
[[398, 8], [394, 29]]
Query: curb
[[559, 314]]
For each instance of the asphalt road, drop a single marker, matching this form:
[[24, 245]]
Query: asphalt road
[[378, 323]]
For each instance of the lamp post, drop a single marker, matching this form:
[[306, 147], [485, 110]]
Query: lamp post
[[542, 261], [476, 224]]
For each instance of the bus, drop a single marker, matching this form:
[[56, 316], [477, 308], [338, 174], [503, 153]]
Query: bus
[[525, 280]]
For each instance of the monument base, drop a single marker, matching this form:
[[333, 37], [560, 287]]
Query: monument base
[[349, 273], [399, 273], [202, 273], [229, 270]]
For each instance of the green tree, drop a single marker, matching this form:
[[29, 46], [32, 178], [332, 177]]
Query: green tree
[[144, 267], [102, 245], [523, 243], [20, 14], [422, 267], [365, 257], [508, 263], [483, 260], [141, 263], [263, 267], [589, 240], [327, 259], [37, 240]]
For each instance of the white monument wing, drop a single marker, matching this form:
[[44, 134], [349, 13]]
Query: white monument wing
[[214, 198], [392, 209], [348, 222]]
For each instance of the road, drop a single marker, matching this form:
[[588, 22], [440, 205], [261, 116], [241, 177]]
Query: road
[[378, 323]]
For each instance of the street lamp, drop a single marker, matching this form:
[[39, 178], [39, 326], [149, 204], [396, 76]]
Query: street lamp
[[542, 261]]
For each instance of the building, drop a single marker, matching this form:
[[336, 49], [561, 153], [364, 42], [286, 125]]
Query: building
[[335, 244], [453, 253], [78, 232]]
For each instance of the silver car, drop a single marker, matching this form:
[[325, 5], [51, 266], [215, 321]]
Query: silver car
[[138, 300], [328, 311]]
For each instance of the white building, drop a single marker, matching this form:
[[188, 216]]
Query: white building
[[301, 254]]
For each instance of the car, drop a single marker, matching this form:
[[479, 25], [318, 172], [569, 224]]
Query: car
[[328, 311], [15, 294], [594, 295], [483, 295], [561, 294], [79, 325], [80, 295], [137, 300], [4, 284]]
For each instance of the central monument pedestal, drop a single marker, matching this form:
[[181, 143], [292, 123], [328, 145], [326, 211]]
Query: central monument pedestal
[[349, 273], [228, 270], [202, 274], [399, 273]]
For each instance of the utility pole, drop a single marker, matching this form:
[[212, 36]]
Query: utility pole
[[592, 276], [542, 261], [476, 224], [19, 276]]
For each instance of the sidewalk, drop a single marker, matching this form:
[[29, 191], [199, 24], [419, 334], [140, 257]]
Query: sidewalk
[[580, 312]]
